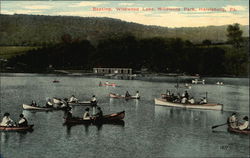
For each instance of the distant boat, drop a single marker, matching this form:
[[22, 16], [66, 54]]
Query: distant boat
[[108, 84], [56, 81], [198, 81]]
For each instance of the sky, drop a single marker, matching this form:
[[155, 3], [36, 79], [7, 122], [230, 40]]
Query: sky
[[168, 13]]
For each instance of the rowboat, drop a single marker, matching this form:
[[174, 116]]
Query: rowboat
[[111, 118], [234, 130], [208, 106], [29, 107], [16, 128], [113, 95]]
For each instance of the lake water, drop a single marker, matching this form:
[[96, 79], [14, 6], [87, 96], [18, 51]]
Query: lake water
[[149, 130]]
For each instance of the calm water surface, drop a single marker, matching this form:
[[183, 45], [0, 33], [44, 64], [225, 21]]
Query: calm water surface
[[149, 130]]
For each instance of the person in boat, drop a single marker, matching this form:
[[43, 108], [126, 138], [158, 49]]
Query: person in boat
[[233, 121], [73, 99], [100, 83], [23, 121], [203, 100], [7, 121], [49, 104], [93, 104], [69, 112], [106, 82], [99, 113], [184, 100], [137, 94], [186, 95], [32, 103], [168, 93], [127, 94], [191, 100], [245, 124], [86, 115]]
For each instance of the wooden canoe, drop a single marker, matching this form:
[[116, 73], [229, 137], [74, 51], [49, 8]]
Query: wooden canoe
[[29, 107], [113, 95], [111, 118], [16, 128], [234, 130], [208, 106]]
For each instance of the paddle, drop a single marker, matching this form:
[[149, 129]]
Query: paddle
[[219, 125]]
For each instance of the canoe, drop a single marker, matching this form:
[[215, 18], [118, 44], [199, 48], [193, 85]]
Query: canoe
[[109, 84], [208, 106], [111, 118], [113, 95], [233, 130], [80, 103], [29, 107], [16, 128]]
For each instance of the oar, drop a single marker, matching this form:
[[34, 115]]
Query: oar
[[219, 125]]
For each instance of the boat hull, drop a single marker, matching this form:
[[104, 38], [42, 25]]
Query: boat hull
[[106, 119], [233, 130], [83, 103], [159, 101], [16, 128], [29, 107], [112, 95]]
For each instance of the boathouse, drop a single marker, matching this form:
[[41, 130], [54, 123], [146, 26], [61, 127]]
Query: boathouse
[[112, 71]]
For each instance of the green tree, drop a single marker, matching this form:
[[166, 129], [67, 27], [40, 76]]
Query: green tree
[[234, 35]]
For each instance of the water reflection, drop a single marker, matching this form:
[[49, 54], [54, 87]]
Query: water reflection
[[4, 137]]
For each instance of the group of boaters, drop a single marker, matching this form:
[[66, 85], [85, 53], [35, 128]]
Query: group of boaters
[[184, 98], [234, 123], [8, 122]]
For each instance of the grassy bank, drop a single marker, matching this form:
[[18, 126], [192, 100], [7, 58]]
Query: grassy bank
[[7, 52]]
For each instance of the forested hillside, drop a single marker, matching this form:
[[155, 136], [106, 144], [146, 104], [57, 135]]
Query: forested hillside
[[35, 30]]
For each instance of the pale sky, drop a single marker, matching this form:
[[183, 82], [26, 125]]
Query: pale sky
[[173, 13]]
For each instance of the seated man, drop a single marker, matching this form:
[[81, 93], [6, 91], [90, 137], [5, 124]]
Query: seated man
[[7, 121], [23, 121], [86, 115], [99, 113], [233, 121], [245, 125], [127, 94]]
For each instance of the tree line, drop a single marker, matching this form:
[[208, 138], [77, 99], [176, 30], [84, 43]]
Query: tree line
[[167, 55]]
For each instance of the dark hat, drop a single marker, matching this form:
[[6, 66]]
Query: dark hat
[[234, 113], [6, 114], [245, 118], [99, 108], [93, 96], [87, 109], [21, 115]]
